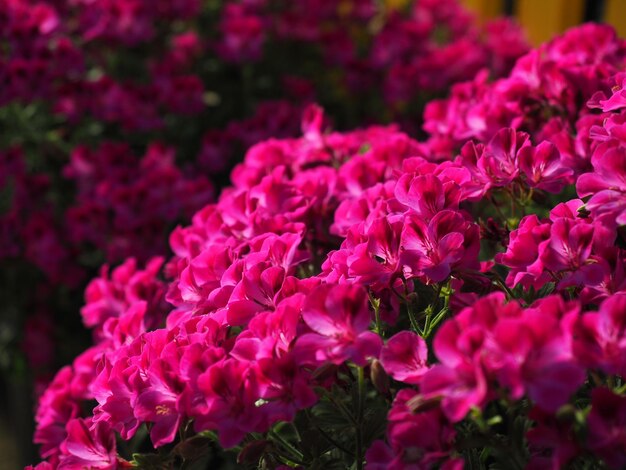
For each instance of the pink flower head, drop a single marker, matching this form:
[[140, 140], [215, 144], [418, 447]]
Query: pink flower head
[[339, 318], [606, 427], [230, 393], [616, 101], [542, 167], [432, 250], [569, 249], [376, 261], [157, 404], [404, 357], [600, 337], [409, 445], [527, 352], [56, 407], [606, 185], [427, 195], [522, 253], [551, 441], [88, 445], [498, 163]]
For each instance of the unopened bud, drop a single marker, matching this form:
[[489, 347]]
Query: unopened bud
[[420, 403], [379, 377], [566, 414]]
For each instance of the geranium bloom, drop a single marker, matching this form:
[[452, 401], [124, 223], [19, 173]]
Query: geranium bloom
[[88, 445], [607, 427], [409, 446], [404, 357], [431, 250], [230, 392], [339, 319]]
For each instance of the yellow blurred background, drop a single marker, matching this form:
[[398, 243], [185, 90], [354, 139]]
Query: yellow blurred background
[[543, 19]]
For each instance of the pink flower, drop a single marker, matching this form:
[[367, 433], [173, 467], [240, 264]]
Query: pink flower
[[543, 168], [230, 393], [617, 100], [56, 407], [606, 427], [376, 261], [409, 445], [569, 249], [552, 442], [600, 337], [432, 250], [499, 160], [606, 185], [157, 404], [522, 253], [526, 352], [88, 446], [404, 357], [339, 318], [427, 195]]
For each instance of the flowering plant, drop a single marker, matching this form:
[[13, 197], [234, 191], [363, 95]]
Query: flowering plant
[[123, 117], [366, 300]]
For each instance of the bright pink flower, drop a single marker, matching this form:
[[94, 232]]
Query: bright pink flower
[[543, 168], [600, 337], [157, 404], [339, 318], [404, 357], [609, 173], [56, 407], [527, 352], [409, 446], [552, 442], [114, 390], [568, 249], [427, 195], [230, 393], [256, 292], [432, 250], [541, 361], [606, 185], [606, 427], [462, 388], [376, 261], [522, 253], [499, 161], [617, 100], [88, 445]]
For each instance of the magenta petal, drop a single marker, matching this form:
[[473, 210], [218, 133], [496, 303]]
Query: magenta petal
[[404, 357]]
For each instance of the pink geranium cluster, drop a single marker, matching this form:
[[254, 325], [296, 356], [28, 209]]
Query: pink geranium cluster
[[121, 115], [123, 205], [363, 299]]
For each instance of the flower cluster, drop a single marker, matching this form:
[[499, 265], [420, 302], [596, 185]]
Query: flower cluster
[[367, 299], [112, 108]]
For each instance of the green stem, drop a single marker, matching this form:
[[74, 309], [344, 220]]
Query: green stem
[[412, 319], [504, 287], [435, 321], [376, 306], [429, 313], [359, 424], [295, 452]]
